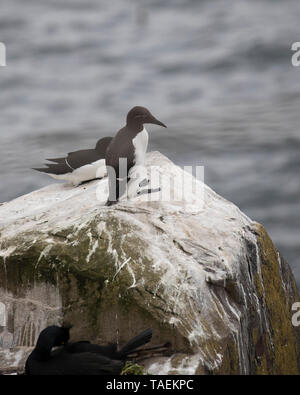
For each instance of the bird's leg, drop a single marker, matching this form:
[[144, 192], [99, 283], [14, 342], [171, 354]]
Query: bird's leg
[[111, 202], [121, 185]]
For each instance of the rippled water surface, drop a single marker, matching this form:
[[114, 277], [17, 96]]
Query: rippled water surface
[[218, 73]]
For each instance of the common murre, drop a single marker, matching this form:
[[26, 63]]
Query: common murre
[[79, 166], [127, 151]]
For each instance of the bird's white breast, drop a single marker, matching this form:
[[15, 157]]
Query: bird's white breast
[[140, 143]]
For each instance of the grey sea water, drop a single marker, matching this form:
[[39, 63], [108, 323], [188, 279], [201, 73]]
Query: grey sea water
[[217, 72]]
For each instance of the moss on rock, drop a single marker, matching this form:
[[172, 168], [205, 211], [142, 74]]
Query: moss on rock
[[282, 341]]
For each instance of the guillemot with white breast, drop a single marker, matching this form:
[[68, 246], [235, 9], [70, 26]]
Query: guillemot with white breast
[[79, 166], [130, 145]]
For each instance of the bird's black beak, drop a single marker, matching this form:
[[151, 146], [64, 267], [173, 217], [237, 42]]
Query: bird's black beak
[[156, 122]]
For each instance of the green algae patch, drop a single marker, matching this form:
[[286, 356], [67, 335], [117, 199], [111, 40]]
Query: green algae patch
[[133, 369], [230, 361], [283, 342]]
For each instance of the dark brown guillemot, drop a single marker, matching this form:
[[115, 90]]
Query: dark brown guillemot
[[79, 166], [130, 146]]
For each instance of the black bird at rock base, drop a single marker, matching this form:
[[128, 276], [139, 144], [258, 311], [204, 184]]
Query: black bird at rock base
[[78, 358]]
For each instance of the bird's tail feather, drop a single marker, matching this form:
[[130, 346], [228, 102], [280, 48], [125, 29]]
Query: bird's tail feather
[[57, 160], [42, 170], [138, 341], [58, 169]]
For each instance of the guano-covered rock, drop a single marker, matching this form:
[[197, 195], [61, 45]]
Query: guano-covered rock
[[197, 270]]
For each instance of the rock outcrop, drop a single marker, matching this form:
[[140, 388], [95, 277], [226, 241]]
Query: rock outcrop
[[197, 270]]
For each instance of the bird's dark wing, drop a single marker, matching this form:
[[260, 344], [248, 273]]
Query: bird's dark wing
[[81, 158], [58, 169], [102, 145], [79, 347], [65, 363], [120, 147], [110, 350]]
